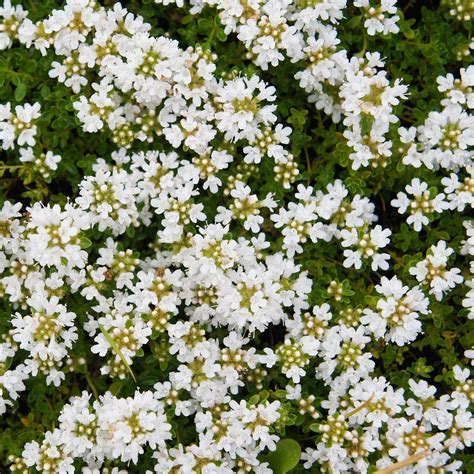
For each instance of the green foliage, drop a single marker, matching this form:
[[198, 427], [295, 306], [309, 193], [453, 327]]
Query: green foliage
[[285, 457]]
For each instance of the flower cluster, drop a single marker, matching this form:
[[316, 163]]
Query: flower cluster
[[198, 289], [355, 88]]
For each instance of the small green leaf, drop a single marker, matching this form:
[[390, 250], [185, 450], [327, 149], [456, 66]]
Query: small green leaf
[[20, 92], [221, 36], [253, 400], [406, 30], [366, 124], [85, 243], [115, 388], [117, 350], [30, 66], [400, 166], [355, 21], [15, 78], [286, 456], [204, 26], [298, 117], [45, 91]]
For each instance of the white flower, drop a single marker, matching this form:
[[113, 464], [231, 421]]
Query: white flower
[[421, 205], [18, 126], [367, 243], [11, 19], [49, 332], [396, 315], [432, 270]]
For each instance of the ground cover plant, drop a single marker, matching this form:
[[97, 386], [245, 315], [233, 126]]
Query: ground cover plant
[[236, 236]]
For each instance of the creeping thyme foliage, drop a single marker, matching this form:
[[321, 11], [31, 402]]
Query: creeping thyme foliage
[[236, 236]]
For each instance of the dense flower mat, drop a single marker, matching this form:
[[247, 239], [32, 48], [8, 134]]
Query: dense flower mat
[[236, 236]]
